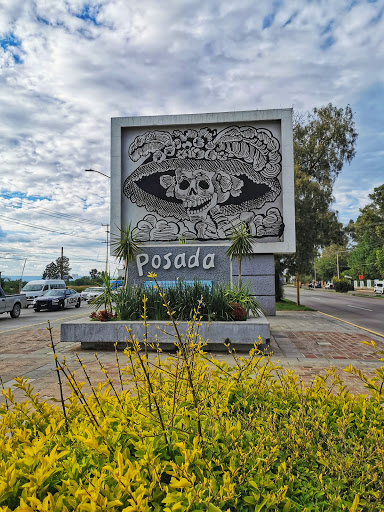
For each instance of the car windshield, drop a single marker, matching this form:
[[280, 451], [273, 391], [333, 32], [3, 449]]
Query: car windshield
[[32, 288], [55, 293]]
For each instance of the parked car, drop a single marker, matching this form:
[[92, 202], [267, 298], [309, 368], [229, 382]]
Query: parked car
[[378, 287], [84, 293], [58, 299], [329, 285], [12, 304], [314, 285], [37, 288], [94, 293]]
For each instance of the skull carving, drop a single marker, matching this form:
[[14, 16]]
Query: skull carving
[[197, 192]]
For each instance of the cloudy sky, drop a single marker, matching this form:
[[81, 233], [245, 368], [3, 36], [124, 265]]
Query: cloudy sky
[[68, 66]]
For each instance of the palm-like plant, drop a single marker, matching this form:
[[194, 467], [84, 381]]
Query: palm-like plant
[[126, 247], [241, 245]]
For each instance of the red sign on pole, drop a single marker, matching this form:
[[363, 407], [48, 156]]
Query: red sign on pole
[[361, 277]]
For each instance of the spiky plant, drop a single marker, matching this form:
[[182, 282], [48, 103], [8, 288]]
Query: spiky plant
[[241, 245]]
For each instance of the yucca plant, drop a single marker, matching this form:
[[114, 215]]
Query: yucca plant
[[126, 247], [241, 245]]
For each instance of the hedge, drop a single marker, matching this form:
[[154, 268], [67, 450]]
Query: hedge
[[188, 432]]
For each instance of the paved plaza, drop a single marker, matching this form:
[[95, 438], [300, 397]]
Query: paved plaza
[[307, 342]]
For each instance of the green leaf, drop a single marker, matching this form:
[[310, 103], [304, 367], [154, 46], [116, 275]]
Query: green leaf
[[355, 504], [213, 508]]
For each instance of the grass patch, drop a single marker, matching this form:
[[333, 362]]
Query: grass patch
[[289, 305]]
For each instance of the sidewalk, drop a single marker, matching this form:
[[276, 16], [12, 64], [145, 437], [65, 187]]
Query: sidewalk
[[307, 342]]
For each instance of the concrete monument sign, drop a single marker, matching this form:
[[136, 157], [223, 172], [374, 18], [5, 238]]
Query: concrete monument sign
[[191, 178]]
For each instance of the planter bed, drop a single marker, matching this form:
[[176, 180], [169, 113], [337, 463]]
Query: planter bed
[[102, 335]]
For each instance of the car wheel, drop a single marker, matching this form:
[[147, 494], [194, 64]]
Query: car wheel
[[61, 306], [15, 313], [78, 303], [37, 309]]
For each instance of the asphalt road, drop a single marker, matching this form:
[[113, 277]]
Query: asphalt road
[[29, 318], [367, 312]]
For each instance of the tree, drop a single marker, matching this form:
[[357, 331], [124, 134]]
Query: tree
[[57, 270], [94, 273], [380, 261], [51, 271], [368, 234], [362, 260], [326, 264], [323, 141], [370, 222]]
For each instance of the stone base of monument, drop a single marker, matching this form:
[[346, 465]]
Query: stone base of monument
[[241, 335]]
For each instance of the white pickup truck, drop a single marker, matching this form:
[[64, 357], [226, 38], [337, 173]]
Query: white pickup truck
[[12, 304]]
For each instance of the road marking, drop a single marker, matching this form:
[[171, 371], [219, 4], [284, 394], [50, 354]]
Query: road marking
[[354, 325], [358, 307], [41, 323]]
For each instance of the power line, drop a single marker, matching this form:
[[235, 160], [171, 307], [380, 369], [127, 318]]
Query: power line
[[49, 211], [50, 230]]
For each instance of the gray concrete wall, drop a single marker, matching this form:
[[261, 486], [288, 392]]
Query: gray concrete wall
[[242, 335], [259, 271], [218, 273]]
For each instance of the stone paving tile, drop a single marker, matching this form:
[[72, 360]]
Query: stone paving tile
[[305, 342]]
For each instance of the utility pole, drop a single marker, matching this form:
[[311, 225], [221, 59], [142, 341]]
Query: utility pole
[[337, 264], [21, 278], [61, 263], [106, 260]]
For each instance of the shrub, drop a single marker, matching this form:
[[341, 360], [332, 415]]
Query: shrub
[[103, 315], [182, 296], [342, 285], [242, 295], [192, 433]]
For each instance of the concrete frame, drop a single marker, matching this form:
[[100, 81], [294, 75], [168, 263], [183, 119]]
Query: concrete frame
[[288, 245]]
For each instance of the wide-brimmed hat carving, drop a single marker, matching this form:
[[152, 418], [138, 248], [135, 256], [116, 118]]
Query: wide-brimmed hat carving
[[236, 169]]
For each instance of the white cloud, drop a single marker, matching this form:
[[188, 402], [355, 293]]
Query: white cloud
[[64, 77]]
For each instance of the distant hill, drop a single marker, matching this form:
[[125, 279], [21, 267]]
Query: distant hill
[[25, 278]]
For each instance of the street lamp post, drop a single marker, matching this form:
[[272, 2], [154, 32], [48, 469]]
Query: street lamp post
[[93, 170]]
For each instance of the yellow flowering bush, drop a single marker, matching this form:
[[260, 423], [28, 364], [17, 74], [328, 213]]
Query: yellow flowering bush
[[190, 433]]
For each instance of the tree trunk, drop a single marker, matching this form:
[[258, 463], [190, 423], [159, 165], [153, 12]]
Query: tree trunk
[[239, 278], [297, 289]]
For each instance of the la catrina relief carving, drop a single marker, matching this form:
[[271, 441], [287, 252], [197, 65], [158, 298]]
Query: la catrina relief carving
[[198, 184]]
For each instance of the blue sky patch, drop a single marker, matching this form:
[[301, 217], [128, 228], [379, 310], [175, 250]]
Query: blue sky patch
[[42, 20], [9, 40], [89, 14], [22, 195], [270, 18], [378, 17], [327, 43], [290, 19], [327, 28]]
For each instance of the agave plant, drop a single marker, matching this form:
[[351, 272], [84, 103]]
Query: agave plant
[[125, 247]]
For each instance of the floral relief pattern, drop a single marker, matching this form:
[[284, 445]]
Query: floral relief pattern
[[200, 183]]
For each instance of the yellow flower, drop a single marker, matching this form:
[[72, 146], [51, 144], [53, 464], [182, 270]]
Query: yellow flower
[[152, 275]]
